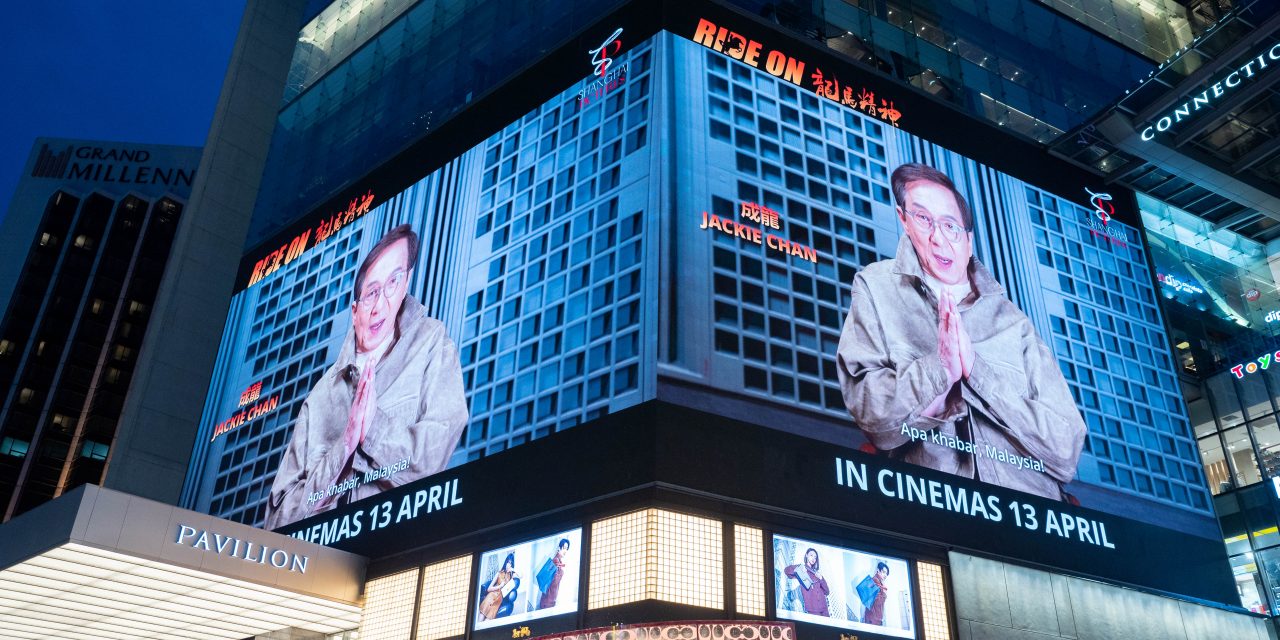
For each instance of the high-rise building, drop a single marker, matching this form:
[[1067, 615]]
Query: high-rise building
[[87, 237], [660, 316]]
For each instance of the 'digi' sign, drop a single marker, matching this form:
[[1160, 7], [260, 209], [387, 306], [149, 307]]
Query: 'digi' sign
[[1261, 362]]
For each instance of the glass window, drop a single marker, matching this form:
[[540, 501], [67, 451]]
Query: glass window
[[1225, 400], [1254, 397], [1244, 465], [1248, 583], [1215, 465], [1267, 436], [1269, 567], [1201, 416]]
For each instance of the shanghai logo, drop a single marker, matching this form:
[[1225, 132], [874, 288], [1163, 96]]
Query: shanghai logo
[[607, 75], [1101, 205], [1099, 226], [602, 56]]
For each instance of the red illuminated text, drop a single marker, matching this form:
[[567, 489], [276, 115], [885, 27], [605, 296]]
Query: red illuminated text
[[251, 394], [781, 65], [245, 416], [290, 251], [764, 216]]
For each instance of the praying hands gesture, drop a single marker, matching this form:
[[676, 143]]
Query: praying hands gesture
[[955, 349], [363, 409]]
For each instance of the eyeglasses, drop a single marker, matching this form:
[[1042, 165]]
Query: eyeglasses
[[950, 229], [393, 287]]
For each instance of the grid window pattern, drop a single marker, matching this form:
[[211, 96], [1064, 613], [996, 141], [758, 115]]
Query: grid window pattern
[[554, 332], [370, 76], [545, 223], [287, 347], [933, 602], [748, 562], [826, 170], [388, 606], [619, 557], [659, 555], [688, 559], [1112, 348], [443, 612]]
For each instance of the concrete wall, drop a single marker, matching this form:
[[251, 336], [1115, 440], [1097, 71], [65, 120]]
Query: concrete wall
[[1000, 601], [162, 410]]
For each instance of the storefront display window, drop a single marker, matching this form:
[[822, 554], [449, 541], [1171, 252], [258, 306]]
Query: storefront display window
[[1244, 465], [1248, 583], [1215, 465], [1267, 436]]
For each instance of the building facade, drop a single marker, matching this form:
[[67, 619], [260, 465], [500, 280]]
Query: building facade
[[640, 232], [87, 236]]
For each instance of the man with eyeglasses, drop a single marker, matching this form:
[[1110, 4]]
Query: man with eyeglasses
[[938, 368], [388, 411]]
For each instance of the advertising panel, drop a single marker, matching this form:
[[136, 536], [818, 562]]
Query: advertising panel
[[529, 580], [842, 588], [845, 279], [729, 222], [500, 298]]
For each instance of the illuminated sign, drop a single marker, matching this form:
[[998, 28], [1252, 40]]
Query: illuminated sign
[[529, 580], [870, 592], [767, 219], [601, 56], [601, 87], [102, 164], [829, 87], [290, 251], [781, 65], [1212, 93], [250, 396], [973, 504], [233, 547], [1261, 363], [383, 514], [1100, 223], [1102, 206], [526, 279], [1177, 284], [1273, 316], [701, 629]]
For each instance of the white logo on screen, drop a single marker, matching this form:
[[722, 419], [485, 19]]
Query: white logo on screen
[[602, 57], [1101, 205]]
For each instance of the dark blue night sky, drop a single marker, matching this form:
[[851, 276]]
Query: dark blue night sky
[[123, 70]]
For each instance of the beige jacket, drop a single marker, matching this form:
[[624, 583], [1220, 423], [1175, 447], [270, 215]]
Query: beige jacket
[[421, 412], [1015, 399]]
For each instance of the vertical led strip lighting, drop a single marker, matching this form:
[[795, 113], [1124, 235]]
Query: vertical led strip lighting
[[689, 559], [659, 555], [748, 563], [443, 613], [619, 557], [933, 602], [388, 606]]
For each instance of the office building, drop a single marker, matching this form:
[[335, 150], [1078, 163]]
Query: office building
[[87, 237]]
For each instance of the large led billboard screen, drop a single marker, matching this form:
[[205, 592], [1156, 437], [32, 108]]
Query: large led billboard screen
[[530, 580], [843, 588], [729, 224]]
